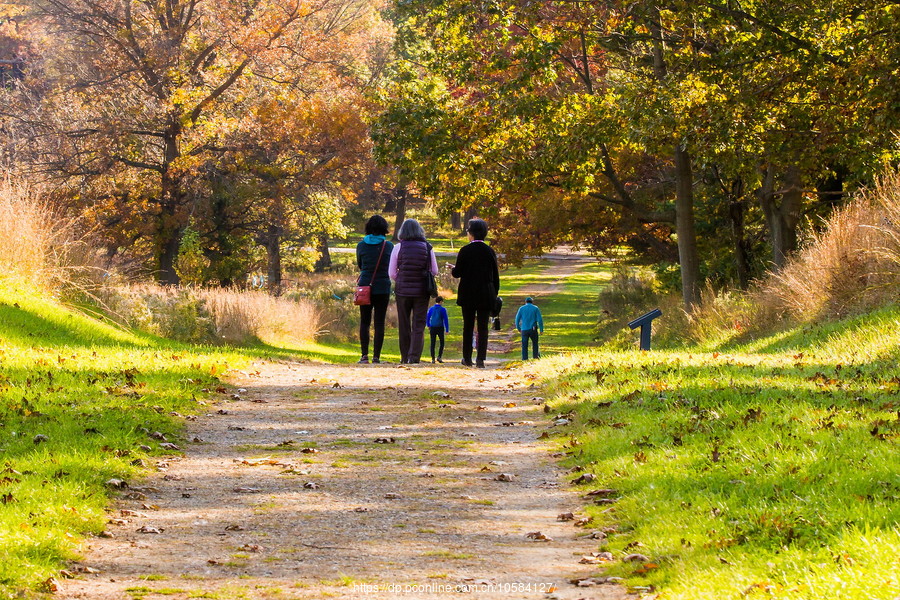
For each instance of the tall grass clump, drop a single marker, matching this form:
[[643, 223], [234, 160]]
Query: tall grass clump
[[214, 315], [850, 267], [42, 243]]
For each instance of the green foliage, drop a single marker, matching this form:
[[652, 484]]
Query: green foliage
[[191, 263], [744, 474]]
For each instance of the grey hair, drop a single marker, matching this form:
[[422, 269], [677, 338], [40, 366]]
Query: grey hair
[[410, 230]]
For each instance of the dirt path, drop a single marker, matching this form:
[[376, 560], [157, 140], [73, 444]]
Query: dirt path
[[405, 488]]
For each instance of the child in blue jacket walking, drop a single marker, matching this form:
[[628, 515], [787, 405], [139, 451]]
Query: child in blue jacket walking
[[528, 321], [438, 323]]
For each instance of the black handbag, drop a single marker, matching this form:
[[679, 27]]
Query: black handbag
[[430, 282]]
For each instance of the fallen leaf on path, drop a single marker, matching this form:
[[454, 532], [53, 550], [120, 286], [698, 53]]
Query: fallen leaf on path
[[505, 477], [538, 537], [392, 496], [213, 561], [586, 478], [149, 506], [544, 436], [595, 581], [310, 485], [385, 440], [292, 470], [116, 483], [256, 462], [156, 435], [636, 558], [105, 534], [260, 401], [441, 394], [427, 475], [234, 528], [135, 496], [486, 469], [596, 558], [335, 385], [49, 585], [583, 522], [481, 408], [565, 517], [310, 451], [148, 529], [131, 513], [85, 569], [118, 522], [247, 490], [606, 492], [236, 428], [286, 443], [251, 548], [169, 446], [360, 509]]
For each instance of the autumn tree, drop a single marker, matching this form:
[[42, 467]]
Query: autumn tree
[[142, 98]]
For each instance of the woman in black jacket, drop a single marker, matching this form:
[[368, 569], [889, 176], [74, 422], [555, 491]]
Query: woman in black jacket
[[373, 270], [479, 284]]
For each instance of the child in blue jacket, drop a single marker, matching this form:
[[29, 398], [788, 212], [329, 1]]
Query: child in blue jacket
[[438, 323], [528, 322]]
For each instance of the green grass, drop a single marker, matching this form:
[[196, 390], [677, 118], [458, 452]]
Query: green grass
[[78, 398], [769, 474], [570, 312]]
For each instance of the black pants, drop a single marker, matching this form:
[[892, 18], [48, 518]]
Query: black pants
[[411, 311], [471, 316], [379, 306], [437, 333]]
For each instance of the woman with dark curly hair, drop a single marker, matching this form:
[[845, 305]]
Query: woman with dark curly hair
[[373, 254]]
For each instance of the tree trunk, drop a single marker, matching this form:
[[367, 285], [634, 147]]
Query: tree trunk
[[684, 229], [324, 260], [782, 217], [400, 195], [168, 230], [736, 210], [470, 214], [273, 254], [455, 220]]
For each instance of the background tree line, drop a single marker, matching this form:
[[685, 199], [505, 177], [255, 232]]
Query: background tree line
[[701, 134], [704, 136]]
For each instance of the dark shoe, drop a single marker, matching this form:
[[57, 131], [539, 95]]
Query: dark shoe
[[440, 360], [432, 361], [479, 364], [466, 363], [376, 361], [364, 360]]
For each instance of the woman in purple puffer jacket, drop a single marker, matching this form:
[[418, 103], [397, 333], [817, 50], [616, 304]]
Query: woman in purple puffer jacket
[[411, 259]]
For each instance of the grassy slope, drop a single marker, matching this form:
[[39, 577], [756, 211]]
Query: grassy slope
[[91, 392], [766, 470]]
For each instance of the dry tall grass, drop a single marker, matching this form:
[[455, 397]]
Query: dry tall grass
[[851, 266], [242, 315], [213, 316], [41, 243]]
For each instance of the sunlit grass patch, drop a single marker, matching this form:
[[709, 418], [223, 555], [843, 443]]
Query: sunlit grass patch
[[738, 474], [79, 401]]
